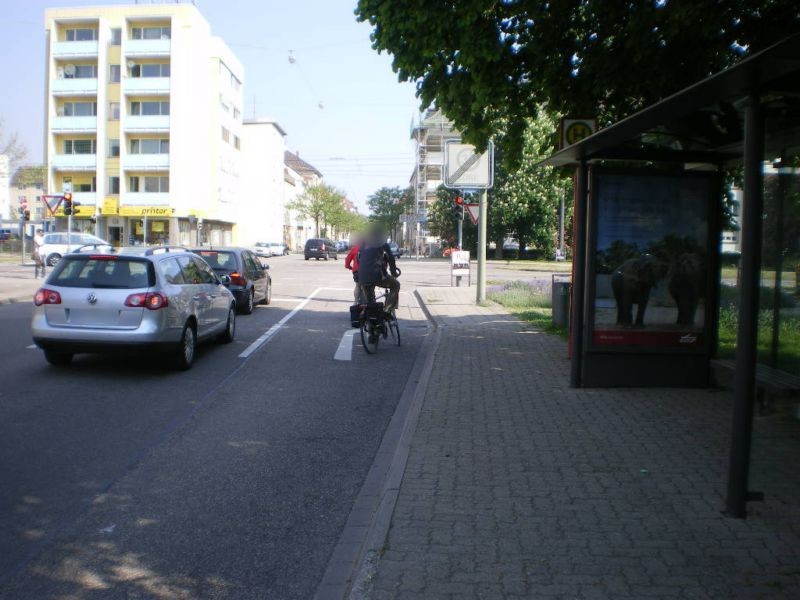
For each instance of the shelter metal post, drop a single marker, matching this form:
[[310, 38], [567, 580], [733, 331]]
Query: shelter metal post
[[580, 216], [747, 335], [783, 189]]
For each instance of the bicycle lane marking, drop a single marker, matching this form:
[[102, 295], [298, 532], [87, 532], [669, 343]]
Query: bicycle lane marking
[[345, 349], [270, 333]]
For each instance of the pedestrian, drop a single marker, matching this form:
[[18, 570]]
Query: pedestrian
[[351, 262], [36, 254]]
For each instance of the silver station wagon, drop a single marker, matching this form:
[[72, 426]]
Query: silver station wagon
[[150, 299]]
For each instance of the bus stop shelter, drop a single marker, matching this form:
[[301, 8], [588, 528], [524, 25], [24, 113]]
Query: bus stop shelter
[[647, 221]]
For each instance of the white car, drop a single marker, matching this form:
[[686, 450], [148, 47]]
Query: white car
[[263, 249], [57, 245]]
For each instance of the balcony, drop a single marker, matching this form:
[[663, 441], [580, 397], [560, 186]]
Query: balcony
[[146, 86], [73, 50], [146, 123], [73, 125], [74, 87], [434, 158], [85, 199], [147, 48], [74, 162], [144, 199], [146, 162]]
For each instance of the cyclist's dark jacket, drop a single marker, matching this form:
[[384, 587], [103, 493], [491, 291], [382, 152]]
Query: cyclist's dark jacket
[[372, 263]]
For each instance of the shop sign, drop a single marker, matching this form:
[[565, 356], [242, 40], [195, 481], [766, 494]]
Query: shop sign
[[146, 211], [110, 206]]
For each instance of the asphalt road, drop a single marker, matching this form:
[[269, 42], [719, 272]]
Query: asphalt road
[[124, 479]]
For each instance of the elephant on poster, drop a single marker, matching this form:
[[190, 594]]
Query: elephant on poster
[[687, 286], [631, 283]]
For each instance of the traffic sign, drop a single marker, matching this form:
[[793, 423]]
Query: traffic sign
[[574, 130], [465, 168], [474, 211]]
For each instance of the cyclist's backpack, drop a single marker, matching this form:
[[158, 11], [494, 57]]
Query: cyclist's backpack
[[356, 310], [370, 265]]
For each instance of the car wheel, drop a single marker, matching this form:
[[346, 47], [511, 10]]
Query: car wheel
[[335, 257], [58, 359], [307, 257], [226, 337], [248, 307], [268, 295], [184, 353], [52, 260]]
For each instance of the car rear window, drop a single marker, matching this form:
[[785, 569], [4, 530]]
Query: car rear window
[[218, 260], [102, 271]]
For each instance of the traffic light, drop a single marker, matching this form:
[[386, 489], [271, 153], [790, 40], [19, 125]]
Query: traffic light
[[67, 203], [458, 208]]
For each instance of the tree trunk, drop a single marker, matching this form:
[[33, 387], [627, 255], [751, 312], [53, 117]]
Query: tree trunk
[[498, 249]]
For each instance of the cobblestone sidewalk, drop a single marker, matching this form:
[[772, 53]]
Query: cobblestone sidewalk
[[519, 487]]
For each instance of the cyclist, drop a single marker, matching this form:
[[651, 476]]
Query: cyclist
[[376, 266], [351, 263]]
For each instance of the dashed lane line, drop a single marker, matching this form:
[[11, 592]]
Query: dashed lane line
[[345, 349]]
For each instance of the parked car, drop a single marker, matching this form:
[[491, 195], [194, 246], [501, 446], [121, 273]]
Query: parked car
[[146, 299], [396, 250], [279, 249], [56, 244], [320, 248], [342, 246], [262, 249], [249, 281]]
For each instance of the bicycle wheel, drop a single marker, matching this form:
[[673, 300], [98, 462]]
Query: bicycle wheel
[[369, 338], [394, 328]]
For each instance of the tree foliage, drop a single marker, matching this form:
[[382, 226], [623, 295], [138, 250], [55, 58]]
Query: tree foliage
[[487, 61], [30, 176], [11, 146], [387, 204], [324, 204]]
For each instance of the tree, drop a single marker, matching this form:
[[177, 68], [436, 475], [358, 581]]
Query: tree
[[11, 146], [322, 203], [30, 176], [484, 62], [387, 204]]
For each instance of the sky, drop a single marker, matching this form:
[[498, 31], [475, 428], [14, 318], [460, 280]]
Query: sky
[[339, 101]]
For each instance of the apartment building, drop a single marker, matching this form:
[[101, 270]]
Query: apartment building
[[143, 123], [298, 175], [430, 135]]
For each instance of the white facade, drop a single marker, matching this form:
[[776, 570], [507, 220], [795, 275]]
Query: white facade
[[261, 212], [144, 122], [5, 181]]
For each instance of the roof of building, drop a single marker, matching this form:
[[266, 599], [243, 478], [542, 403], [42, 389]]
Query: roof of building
[[263, 121], [300, 166]]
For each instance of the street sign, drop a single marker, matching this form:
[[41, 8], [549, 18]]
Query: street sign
[[460, 266], [473, 210], [465, 168], [574, 130]]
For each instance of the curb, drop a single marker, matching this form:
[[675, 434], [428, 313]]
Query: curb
[[16, 299], [353, 560], [426, 311]]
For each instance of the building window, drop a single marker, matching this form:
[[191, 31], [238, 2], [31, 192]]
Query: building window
[[113, 148], [226, 135], [160, 146], [149, 184], [81, 34], [236, 142], [113, 111], [86, 186], [79, 71], [236, 113], [113, 185], [151, 33], [114, 74], [150, 70], [150, 108], [78, 109], [80, 147], [116, 36]]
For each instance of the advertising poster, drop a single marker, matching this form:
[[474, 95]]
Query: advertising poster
[[651, 259]]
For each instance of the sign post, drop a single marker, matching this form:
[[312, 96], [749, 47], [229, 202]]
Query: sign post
[[459, 266], [465, 168]]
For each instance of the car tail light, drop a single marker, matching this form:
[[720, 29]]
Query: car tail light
[[238, 279], [45, 296], [322, 247], [149, 300]]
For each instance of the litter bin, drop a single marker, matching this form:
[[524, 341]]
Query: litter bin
[[562, 287]]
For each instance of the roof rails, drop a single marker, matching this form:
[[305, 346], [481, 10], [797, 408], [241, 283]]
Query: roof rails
[[164, 250]]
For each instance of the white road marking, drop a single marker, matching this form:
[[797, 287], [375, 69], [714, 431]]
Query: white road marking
[[286, 300], [265, 337], [345, 349]]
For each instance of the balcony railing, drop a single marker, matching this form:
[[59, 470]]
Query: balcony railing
[[74, 87], [147, 48], [145, 162], [73, 124], [144, 199], [84, 49], [151, 86], [74, 162], [147, 123]]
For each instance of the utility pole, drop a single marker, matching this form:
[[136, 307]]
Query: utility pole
[[483, 215]]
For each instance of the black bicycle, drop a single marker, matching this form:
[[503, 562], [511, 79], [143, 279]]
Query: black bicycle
[[375, 324]]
